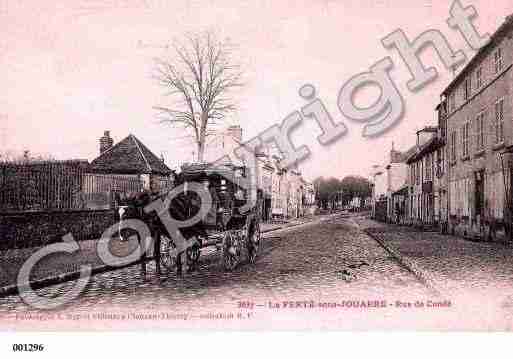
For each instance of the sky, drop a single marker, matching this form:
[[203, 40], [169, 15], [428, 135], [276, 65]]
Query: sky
[[73, 69]]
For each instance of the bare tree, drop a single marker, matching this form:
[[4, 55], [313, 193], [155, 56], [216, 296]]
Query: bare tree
[[24, 157], [200, 77]]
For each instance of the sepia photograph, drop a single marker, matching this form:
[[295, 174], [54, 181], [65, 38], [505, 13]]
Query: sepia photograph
[[266, 166]]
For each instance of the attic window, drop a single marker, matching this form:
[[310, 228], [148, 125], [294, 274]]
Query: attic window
[[468, 88], [479, 77], [498, 60]]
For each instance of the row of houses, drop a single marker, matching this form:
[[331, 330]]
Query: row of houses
[[129, 166], [286, 193], [458, 175]]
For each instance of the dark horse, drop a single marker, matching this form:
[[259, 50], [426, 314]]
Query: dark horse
[[182, 207]]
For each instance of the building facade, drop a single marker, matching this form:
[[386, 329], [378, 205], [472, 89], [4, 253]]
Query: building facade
[[283, 190], [388, 190], [479, 127], [396, 174], [427, 188], [309, 202]]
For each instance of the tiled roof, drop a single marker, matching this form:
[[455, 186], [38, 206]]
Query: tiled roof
[[129, 156], [402, 191], [428, 147], [406, 155]]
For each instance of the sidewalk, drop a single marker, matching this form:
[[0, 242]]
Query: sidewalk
[[455, 265], [269, 227], [61, 267]]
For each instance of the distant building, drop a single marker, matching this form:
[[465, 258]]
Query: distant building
[[266, 171], [389, 192], [356, 203], [426, 197], [221, 149], [309, 202], [379, 192], [397, 178], [283, 190], [295, 200], [221, 145]]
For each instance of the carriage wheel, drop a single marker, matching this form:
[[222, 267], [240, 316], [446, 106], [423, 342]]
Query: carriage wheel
[[254, 242], [231, 251]]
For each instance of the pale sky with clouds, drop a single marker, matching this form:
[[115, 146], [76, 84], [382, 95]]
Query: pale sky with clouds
[[73, 69]]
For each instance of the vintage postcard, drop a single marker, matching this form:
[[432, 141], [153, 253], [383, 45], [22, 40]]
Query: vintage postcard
[[334, 165]]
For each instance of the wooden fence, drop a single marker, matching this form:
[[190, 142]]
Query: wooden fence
[[99, 191], [60, 185], [40, 185]]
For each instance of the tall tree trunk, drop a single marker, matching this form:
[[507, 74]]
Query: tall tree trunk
[[202, 136], [201, 151]]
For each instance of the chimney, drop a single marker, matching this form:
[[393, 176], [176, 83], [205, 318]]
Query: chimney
[[395, 156], [106, 142], [235, 132]]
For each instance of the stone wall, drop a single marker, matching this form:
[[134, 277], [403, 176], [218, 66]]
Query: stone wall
[[32, 229]]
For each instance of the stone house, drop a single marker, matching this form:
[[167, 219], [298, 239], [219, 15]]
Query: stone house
[[124, 167], [309, 204], [288, 192], [296, 190], [266, 172], [479, 128], [396, 175], [427, 191], [221, 148], [389, 181], [282, 189]]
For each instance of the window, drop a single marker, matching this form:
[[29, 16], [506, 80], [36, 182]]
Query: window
[[479, 77], [443, 127], [480, 133], [498, 62], [464, 136], [453, 146], [499, 121], [467, 90], [440, 163], [452, 102], [429, 167], [417, 173]]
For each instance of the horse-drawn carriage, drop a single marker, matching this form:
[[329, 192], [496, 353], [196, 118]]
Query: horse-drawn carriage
[[213, 207]]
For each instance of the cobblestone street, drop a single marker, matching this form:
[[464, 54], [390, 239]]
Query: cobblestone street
[[58, 263], [315, 275], [467, 271], [458, 264]]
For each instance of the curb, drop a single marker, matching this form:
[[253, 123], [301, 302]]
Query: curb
[[408, 264], [281, 227], [61, 278], [271, 230], [71, 276]]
